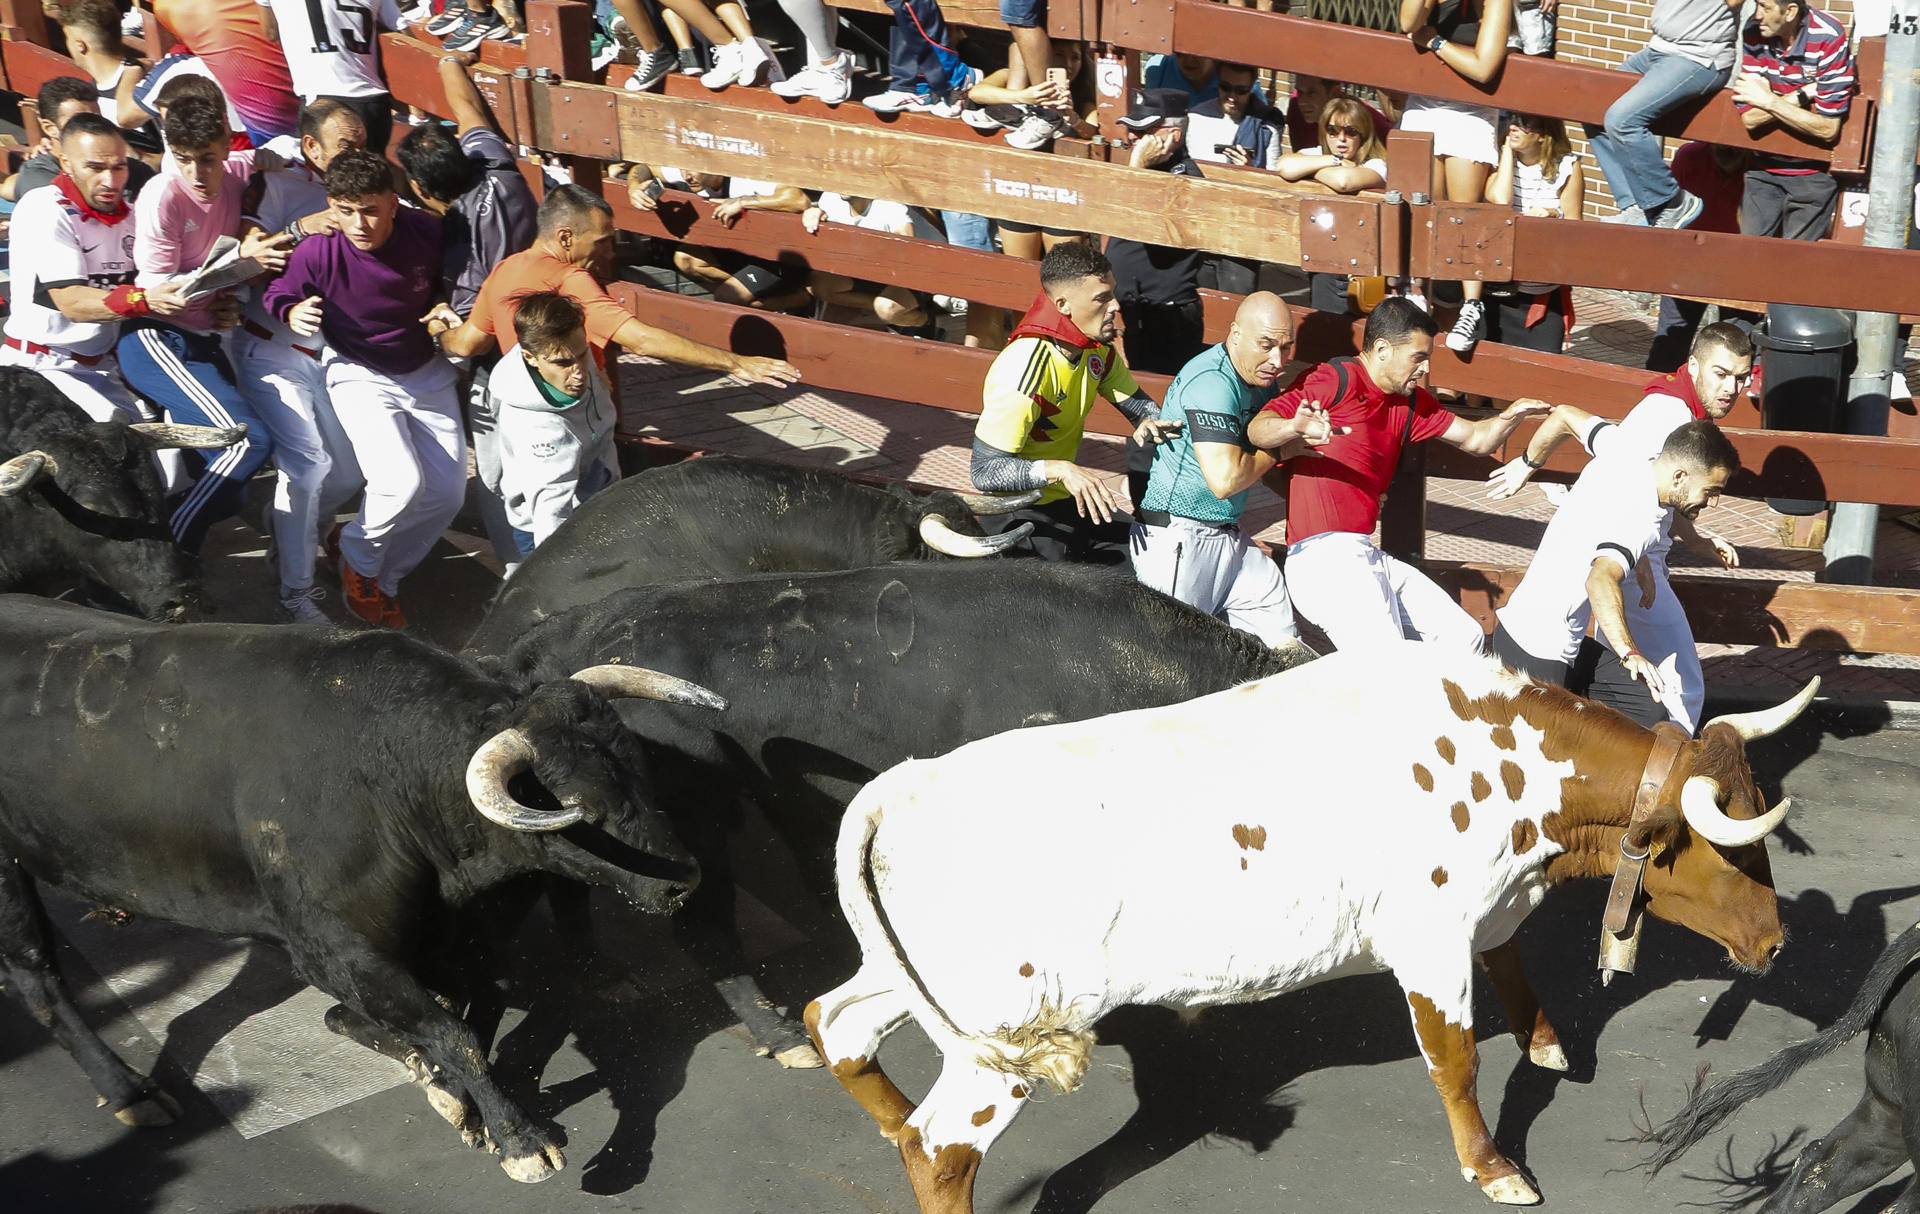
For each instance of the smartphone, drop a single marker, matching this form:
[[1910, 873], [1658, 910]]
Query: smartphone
[[1220, 149], [653, 189], [1057, 75]]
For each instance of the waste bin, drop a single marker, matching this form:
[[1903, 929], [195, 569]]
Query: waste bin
[[1805, 354]]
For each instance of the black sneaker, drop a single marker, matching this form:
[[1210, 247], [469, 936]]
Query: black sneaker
[[690, 61], [476, 29], [1469, 329], [653, 68]]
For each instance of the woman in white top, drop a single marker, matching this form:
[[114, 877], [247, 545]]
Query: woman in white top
[[1539, 174], [1349, 158], [1470, 37]]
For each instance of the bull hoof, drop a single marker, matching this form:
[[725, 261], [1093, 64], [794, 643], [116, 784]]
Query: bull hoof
[[802, 1057], [1511, 1191], [157, 1108], [532, 1169], [1549, 1057]]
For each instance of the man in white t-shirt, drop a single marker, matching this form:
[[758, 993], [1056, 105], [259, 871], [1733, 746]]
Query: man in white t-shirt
[[72, 269], [894, 306], [333, 50], [1617, 511], [281, 373], [1706, 388]]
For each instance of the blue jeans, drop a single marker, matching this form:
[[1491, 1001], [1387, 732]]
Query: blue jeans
[[1628, 153], [968, 231]]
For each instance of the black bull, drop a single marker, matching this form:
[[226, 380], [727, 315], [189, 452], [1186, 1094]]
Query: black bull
[[320, 790], [720, 517], [81, 501], [832, 678], [1880, 1135]]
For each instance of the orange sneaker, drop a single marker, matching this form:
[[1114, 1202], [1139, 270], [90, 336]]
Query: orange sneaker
[[390, 614], [362, 595]]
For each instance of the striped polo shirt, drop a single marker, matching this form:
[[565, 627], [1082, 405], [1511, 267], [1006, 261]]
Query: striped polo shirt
[[1818, 61]]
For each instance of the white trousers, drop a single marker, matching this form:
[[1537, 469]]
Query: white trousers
[[1218, 570], [1359, 596], [1662, 631], [103, 396], [405, 432], [317, 472]]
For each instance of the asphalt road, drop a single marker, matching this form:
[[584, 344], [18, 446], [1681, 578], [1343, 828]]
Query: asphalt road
[[1315, 1101]]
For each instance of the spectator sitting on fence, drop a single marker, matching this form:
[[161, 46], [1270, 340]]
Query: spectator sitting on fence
[[735, 278], [1471, 39], [1539, 175], [1535, 25], [1036, 114], [893, 306], [1349, 158], [1310, 95], [739, 56], [1715, 175], [1234, 127], [333, 51], [552, 419], [927, 75], [1687, 58], [60, 99], [1795, 72]]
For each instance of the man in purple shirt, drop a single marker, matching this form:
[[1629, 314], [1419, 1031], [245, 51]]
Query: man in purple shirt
[[365, 286]]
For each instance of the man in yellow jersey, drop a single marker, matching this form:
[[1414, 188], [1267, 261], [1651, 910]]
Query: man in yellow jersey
[[1035, 405]]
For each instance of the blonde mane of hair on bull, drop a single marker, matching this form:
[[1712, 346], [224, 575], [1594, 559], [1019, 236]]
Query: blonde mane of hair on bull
[[1042, 1049]]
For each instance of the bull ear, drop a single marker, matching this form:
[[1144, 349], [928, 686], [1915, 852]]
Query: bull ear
[[19, 473], [1657, 832]]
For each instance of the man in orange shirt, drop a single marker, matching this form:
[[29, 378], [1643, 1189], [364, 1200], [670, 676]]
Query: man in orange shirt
[[576, 234]]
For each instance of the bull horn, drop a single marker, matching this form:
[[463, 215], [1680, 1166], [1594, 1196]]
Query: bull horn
[[1752, 726], [985, 504], [1700, 802], [19, 473], [498, 760], [164, 436], [617, 682], [944, 539]]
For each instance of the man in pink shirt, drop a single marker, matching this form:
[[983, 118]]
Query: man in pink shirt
[[178, 363]]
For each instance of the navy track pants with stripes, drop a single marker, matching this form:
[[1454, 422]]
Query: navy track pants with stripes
[[188, 376]]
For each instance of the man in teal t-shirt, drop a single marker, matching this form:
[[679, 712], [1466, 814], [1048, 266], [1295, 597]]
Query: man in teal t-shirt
[[1187, 542]]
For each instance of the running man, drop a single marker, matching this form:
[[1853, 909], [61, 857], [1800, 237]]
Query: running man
[[1716, 373], [1339, 579], [1187, 540]]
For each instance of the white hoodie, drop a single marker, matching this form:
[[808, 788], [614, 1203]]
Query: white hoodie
[[546, 453]]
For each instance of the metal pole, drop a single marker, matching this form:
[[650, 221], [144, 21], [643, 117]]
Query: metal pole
[[1896, 141]]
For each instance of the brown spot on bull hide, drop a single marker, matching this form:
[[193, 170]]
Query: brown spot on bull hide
[[1254, 837], [984, 1115], [1480, 788], [1243, 864], [1439, 877], [1514, 780], [1445, 746], [1503, 737], [1525, 835], [1026, 969], [1019, 1091], [1423, 778], [1460, 816]]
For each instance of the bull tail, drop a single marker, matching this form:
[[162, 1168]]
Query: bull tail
[[1708, 1109], [860, 902]]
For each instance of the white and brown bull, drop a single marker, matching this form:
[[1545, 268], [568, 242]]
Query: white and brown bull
[[1009, 894]]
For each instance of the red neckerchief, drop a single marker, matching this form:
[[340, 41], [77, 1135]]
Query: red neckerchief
[[1045, 320], [71, 193], [1680, 384]]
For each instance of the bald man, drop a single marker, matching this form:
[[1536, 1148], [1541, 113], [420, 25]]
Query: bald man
[[1187, 541]]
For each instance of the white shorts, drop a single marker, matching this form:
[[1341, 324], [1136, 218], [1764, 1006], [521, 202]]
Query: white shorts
[[1218, 570], [1458, 129]]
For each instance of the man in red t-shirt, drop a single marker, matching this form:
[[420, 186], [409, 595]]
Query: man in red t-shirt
[[1337, 575]]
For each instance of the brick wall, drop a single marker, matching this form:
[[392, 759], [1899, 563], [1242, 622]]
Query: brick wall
[[1603, 33]]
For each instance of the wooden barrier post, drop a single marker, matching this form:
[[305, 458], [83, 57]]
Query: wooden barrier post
[[1403, 520], [559, 37]]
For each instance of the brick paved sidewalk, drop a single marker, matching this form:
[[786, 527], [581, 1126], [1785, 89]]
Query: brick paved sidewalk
[[881, 437]]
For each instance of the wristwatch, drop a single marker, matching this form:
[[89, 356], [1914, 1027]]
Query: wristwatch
[[1436, 43]]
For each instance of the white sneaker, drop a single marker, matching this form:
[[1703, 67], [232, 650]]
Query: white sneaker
[[726, 66], [894, 101], [1035, 131], [303, 606], [830, 82], [750, 55], [133, 25], [952, 305], [952, 106], [1417, 300]]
